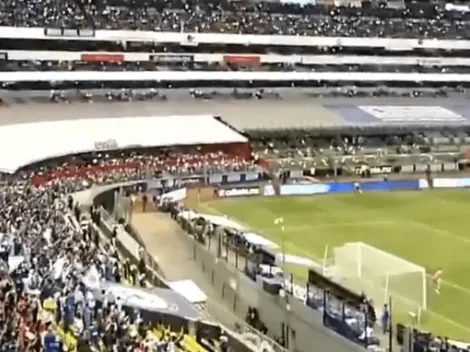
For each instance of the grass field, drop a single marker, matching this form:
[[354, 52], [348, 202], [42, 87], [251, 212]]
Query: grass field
[[429, 228]]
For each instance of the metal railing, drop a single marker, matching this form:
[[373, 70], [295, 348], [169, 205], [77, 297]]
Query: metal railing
[[234, 326]]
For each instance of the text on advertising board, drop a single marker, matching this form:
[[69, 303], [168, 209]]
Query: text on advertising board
[[239, 192], [107, 144], [172, 59], [374, 170]]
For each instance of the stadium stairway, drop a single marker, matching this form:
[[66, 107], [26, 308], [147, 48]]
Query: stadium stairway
[[188, 342]]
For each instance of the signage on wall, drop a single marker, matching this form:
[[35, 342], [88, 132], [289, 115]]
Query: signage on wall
[[102, 57], [374, 170], [172, 59], [239, 192], [106, 144]]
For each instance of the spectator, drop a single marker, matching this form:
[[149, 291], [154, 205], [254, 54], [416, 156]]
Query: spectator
[[385, 319]]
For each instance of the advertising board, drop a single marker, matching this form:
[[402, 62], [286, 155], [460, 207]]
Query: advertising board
[[172, 58], [242, 59], [191, 180], [239, 192], [374, 170], [342, 187], [447, 183], [102, 57]]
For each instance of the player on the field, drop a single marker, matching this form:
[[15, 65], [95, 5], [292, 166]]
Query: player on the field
[[436, 279]]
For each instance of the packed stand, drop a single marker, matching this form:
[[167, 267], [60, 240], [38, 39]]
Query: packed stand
[[46, 305], [418, 20], [162, 96], [49, 13], [49, 247], [106, 168]]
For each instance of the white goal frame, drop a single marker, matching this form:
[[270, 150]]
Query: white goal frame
[[411, 268]]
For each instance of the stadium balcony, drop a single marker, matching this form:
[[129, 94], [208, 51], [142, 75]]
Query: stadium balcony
[[54, 320], [103, 168], [304, 155], [12, 66]]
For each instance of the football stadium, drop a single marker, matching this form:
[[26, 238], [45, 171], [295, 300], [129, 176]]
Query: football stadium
[[234, 176], [426, 229]]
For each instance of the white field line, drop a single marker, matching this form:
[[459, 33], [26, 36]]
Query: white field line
[[390, 222], [438, 232], [441, 233], [325, 226]]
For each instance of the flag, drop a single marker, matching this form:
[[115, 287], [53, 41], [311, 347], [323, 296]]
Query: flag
[[278, 221]]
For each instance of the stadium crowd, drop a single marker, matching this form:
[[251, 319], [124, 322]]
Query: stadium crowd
[[417, 20], [45, 305], [132, 95], [104, 168], [48, 248], [13, 66]]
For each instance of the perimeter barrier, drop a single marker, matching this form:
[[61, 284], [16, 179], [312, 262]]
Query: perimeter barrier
[[246, 339], [445, 183], [237, 291], [343, 187], [226, 76]]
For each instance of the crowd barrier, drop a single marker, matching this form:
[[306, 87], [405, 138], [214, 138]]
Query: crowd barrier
[[174, 58], [226, 178], [194, 39], [130, 247], [236, 298], [341, 187], [225, 76], [219, 272]]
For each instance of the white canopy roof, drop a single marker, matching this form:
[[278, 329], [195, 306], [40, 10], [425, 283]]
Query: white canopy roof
[[222, 221], [294, 259], [23, 144], [258, 240], [189, 290]]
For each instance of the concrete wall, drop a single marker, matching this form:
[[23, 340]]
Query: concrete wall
[[238, 292]]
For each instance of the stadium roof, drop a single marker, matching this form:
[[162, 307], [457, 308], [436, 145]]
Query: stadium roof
[[294, 111], [189, 290], [26, 143], [158, 300]]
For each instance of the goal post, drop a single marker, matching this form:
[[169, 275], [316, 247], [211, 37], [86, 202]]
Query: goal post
[[380, 275]]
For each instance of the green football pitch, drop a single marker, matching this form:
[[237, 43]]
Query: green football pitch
[[428, 228]]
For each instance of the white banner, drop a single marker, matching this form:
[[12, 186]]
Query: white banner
[[239, 192], [174, 196], [412, 113]]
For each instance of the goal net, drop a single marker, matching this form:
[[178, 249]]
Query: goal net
[[381, 275]]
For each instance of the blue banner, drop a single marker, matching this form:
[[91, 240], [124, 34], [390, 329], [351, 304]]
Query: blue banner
[[342, 187]]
